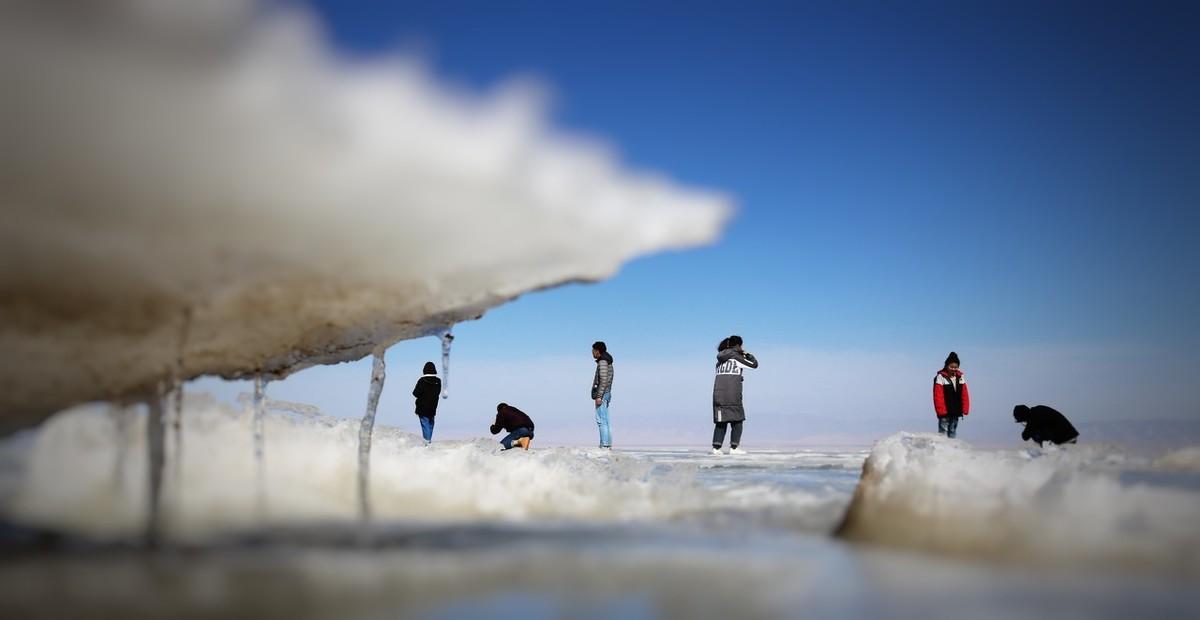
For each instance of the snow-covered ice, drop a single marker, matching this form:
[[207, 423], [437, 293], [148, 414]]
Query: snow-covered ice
[[1076, 505], [311, 476]]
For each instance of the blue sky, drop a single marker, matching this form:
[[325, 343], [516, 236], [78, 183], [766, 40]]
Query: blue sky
[[1014, 181]]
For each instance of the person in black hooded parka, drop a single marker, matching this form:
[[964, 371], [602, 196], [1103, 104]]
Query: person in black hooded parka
[[732, 360], [428, 388], [1044, 423]]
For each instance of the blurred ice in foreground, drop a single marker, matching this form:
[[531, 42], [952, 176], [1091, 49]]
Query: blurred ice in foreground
[[192, 188]]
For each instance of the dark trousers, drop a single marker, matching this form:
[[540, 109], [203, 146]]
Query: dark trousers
[[719, 434]]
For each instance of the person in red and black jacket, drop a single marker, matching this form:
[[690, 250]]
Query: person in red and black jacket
[[951, 400]]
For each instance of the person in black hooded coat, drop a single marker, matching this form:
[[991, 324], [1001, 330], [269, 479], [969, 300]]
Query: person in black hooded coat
[[728, 410], [427, 390]]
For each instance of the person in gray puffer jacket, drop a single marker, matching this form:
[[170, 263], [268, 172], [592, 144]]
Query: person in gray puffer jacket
[[732, 360], [602, 390]]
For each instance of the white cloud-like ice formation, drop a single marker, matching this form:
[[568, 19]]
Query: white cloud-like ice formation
[[212, 181]]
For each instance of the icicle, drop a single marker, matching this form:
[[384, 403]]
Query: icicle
[[260, 386], [120, 414], [177, 390], [155, 440], [177, 420], [175, 459], [364, 435], [447, 338]]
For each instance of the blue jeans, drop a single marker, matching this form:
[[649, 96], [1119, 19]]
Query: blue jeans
[[602, 420], [948, 425], [508, 440], [426, 428]]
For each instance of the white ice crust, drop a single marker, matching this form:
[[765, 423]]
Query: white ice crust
[[84, 472], [1084, 504], [192, 188], [1183, 460]]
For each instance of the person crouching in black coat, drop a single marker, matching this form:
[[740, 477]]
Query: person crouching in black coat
[[518, 425], [1043, 423]]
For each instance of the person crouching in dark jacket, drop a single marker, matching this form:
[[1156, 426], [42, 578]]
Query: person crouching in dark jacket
[[428, 388], [1044, 423], [518, 425]]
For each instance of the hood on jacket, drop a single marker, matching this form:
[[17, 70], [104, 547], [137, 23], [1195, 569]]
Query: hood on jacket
[[606, 357]]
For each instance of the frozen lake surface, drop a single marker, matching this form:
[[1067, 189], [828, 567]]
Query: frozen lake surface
[[463, 532]]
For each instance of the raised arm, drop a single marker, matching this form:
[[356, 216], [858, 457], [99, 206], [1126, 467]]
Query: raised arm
[[747, 359]]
